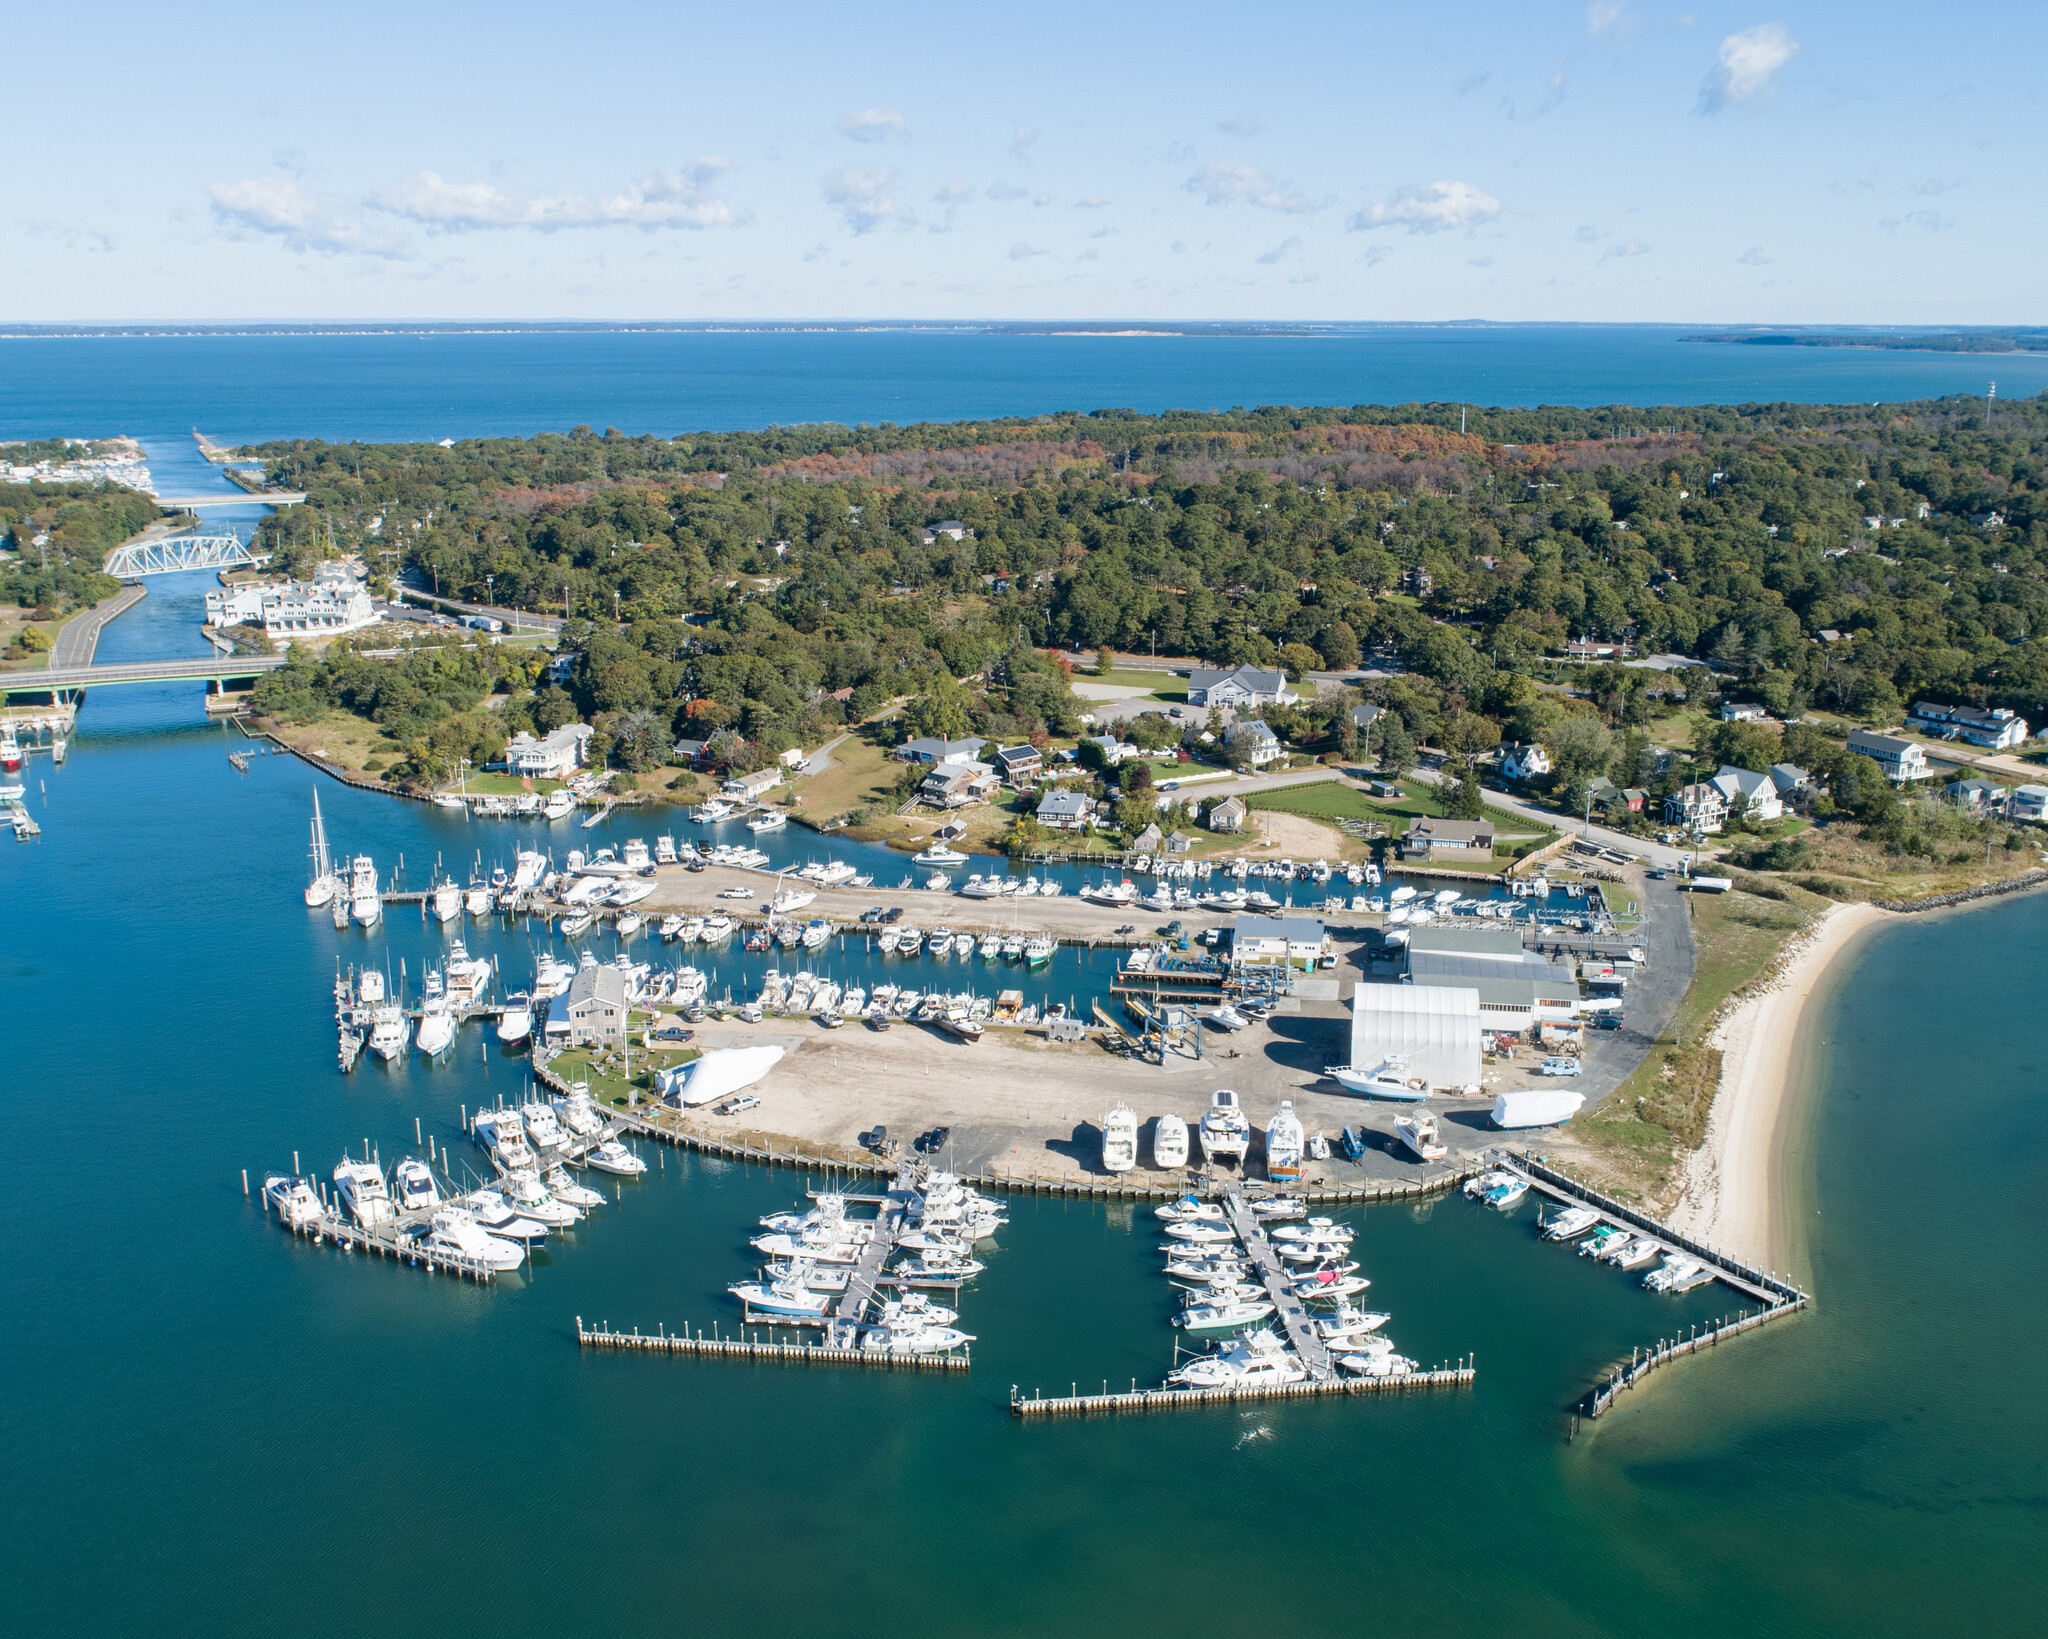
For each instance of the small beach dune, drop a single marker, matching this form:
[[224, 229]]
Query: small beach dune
[[1731, 1197]]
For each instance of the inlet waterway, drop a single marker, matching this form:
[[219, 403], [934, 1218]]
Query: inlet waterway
[[209, 1427]]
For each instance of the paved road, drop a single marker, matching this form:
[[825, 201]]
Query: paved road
[[1636, 847], [283, 497], [1653, 993], [140, 671], [79, 638], [519, 619]]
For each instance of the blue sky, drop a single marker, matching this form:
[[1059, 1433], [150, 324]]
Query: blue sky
[[1613, 161]]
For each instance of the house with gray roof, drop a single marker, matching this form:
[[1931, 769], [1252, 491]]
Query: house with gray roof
[[1065, 810], [1237, 686], [596, 1007]]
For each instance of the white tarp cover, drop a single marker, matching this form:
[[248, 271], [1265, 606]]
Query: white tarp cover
[[1432, 1029], [1536, 1107], [718, 1073]]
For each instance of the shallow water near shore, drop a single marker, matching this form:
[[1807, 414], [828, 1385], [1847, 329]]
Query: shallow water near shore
[[212, 1428]]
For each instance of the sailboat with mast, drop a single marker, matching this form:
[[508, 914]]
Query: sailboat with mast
[[322, 888]]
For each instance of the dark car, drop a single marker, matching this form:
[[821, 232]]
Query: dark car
[[932, 1142], [1606, 1021], [877, 1139], [895, 914]]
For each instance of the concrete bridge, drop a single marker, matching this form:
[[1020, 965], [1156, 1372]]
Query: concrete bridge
[[63, 680]]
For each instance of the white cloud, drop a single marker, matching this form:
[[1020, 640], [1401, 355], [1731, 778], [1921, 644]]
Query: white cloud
[[862, 195], [1748, 62], [1604, 17], [1242, 125], [279, 207], [1432, 209], [1925, 221], [1936, 185], [1375, 254], [1231, 181], [1105, 233], [1023, 252], [1281, 251], [1021, 140], [954, 193], [1004, 192], [1094, 202], [818, 252], [1479, 261], [1632, 247], [871, 125], [668, 199], [1753, 257], [1586, 233]]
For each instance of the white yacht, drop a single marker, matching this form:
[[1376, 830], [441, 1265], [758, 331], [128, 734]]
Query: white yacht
[[1284, 1144], [559, 805], [787, 1296], [717, 926], [488, 1207], [577, 1114], [294, 1200], [321, 890], [1574, 1220], [550, 977], [1347, 1324], [1191, 1209], [566, 1190], [1224, 1017], [437, 1027], [476, 899], [1257, 1360], [365, 904], [613, 1157], [1119, 1140], [1170, 1141], [939, 854], [468, 977], [1225, 1134], [457, 1235], [362, 1189], [515, 1024], [1387, 1080], [528, 1196], [897, 1331], [1417, 1129], [773, 819], [390, 1030], [543, 1131], [790, 899], [503, 1135], [447, 900], [1226, 1315], [370, 986], [1113, 894], [413, 1184]]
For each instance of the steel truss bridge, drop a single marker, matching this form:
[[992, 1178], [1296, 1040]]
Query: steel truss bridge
[[177, 552]]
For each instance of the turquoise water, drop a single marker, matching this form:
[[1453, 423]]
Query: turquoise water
[[209, 1427], [451, 386]]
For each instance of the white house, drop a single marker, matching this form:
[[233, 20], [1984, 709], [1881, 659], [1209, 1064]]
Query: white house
[[1519, 761], [1755, 796], [1241, 686], [1701, 808], [1065, 810], [597, 1007], [2028, 802], [1227, 815], [939, 751], [1790, 779], [1995, 729], [1268, 939], [327, 604], [752, 787], [1901, 760], [1742, 711], [1258, 741], [554, 757]]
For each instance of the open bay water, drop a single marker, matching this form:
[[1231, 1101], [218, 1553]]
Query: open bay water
[[211, 1427], [431, 385]]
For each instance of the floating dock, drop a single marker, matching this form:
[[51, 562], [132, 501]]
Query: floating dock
[[746, 1348], [1287, 1308], [1084, 1405]]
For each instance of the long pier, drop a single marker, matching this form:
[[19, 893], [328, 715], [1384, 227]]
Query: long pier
[[1292, 1314], [746, 1348], [1084, 1405]]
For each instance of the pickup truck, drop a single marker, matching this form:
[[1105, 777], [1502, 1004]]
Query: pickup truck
[[1558, 1067]]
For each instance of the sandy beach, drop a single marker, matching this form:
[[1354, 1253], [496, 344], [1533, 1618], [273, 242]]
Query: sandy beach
[[1731, 1197]]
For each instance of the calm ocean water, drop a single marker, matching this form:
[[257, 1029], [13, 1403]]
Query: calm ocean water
[[432, 386], [209, 1428]]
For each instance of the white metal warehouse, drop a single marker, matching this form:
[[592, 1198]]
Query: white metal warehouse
[[1433, 1030]]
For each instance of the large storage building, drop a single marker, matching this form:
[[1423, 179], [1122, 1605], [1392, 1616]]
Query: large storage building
[[1417, 1030]]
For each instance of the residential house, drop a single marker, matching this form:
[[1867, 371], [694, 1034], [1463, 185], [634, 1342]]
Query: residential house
[[563, 667], [1066, 810], [1749, 795], [1180, 843], [1611, 799], [554, 757], [955, 785], [1995, 729], [1113, 750], [752, 787], [1362, 717], [1587, 648], [1521, 760], [1019, 765], [2028, 802], [1227, 815], [951, 528], [1418, 582], [1743, 711], [1273, 940], [1427, 838], [597, 1007], [1902, 760], [1977, 796], [928, 750], [1148, 840], [1791, 780], [1702, 808], [1258, 742], [692, 753], [1242, 686]]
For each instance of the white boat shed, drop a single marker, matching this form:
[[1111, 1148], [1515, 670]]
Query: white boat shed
[[1431, 1031]]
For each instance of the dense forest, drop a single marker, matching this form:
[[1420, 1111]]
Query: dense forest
[[748, 581], [58, 535]]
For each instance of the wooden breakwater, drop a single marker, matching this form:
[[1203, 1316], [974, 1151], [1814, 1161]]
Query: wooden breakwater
[[747, 1348], [335, 772], [1989, 890], [1137, 1399], [1642, 1363]]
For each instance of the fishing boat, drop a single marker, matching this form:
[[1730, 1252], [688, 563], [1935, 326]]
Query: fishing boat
[[457, 1237], [1418, 1131], [773, 820], [362, 1189], [1574, 1220], [294, 1200], [413, 1184], [1258, 1360], [366, 905], [1119, 1139], [787, 1296], [1226, 1316], [613, 1157], [939, 854], [1170, 1141], [1224, 1133], [1284, 1141]]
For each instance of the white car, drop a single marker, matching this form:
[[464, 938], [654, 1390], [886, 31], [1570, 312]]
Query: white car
[[1558, 1067], [736, 893]]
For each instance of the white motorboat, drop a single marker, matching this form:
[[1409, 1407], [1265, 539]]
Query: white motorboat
[[294, 1201], [476, 899], [370, 986], [488, 1207], [939, 854], [1376, 1362], [1328, 1286], [437, 1027], [783, 1297], [1284, 1142], [543, 1131], [819, 1246], [1277, 1209], [366, 905], [1680, 1272], [1643, 1249], [1225, 1317], [1316, 1232], [390, 1031], [515, 1024], [362, 1189], [1417, 1130], [897, 1333], [577, 1113], [550, 977], [1170, 1141], [613, 1157], [321, 890], [529, 1197], [1386, 1080], [1348, 1324], [1255, 1361], [1574, 1220], [790, 899], [1224, 1134], [503, 1135], [1115, 894], [413, 1184], [1224, 1017], [468, 977], [1201, 1232], [447, 901], [940, 1266], [570, 1193], [560, 804], [773, 820], [457, 1236], [1119, 1139]]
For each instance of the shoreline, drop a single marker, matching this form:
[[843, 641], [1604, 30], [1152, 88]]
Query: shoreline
[[1733, 1194]]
